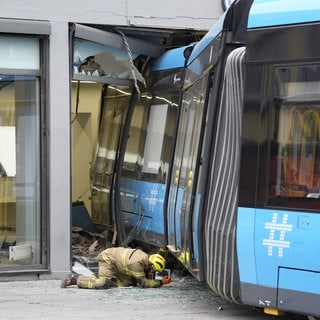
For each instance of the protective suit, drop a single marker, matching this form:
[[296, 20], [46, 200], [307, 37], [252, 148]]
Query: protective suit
[[121, 267]]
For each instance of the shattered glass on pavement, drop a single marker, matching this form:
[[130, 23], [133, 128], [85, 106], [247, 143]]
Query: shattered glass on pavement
[[184, 298]]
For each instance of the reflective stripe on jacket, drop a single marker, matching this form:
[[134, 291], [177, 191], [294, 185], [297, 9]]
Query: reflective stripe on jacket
[[131, 263]]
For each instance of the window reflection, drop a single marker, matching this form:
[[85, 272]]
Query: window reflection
[[114, 112], [20, 231], [150, 143], [295, 147]]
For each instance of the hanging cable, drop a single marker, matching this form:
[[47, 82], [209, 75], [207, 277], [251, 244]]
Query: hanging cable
[[133, 68]]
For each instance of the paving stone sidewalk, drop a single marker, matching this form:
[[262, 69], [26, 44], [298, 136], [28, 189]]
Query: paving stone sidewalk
[[184, 298]]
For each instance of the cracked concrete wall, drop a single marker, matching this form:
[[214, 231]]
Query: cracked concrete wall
[[179, 14], [199, 14]]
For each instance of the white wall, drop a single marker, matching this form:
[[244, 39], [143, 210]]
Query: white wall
[[199, 14]]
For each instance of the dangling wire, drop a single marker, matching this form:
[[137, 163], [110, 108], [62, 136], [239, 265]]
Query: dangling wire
[[123, 36]]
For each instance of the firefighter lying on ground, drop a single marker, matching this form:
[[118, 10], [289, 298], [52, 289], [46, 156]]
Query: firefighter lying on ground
[[122, 267]]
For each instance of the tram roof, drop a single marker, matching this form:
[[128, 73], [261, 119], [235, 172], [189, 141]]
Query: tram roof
[[208, 38], [171, 59], [234, 18], [263, 13], [269, 13]]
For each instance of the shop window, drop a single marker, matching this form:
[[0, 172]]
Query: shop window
[[21, 186]]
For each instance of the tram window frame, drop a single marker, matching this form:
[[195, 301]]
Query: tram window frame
[[294, 153]]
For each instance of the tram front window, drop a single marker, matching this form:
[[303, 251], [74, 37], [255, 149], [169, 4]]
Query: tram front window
[[295, 147]]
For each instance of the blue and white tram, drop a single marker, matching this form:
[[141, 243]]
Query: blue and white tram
[[260, 213], [278, 204]]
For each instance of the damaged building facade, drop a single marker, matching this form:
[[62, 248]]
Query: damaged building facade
[[56, 57]]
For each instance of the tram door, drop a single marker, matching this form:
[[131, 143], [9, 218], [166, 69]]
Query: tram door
[[183, 197]]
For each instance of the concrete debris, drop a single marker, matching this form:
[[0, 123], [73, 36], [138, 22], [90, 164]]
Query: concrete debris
[[86, 246], [85, 243], [93, 247]]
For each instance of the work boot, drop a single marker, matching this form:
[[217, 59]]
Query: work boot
[[70, 280]]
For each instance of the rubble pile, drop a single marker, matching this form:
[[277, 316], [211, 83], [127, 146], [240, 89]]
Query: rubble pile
[[86, 246], [86, 243]]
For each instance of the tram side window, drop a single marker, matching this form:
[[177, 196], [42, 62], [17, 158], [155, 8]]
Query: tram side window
[[150, 142], [294, 174], [163, 112], [133, 158]]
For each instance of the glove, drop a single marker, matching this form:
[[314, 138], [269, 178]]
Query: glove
[[165, 280]]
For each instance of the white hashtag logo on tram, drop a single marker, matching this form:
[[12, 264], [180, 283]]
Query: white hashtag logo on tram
[[282, 227], [153, 197]]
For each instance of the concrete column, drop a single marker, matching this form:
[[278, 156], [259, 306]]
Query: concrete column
[[59, 148]]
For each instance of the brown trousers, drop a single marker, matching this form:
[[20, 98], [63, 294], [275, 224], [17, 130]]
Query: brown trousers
[[107, 277]]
